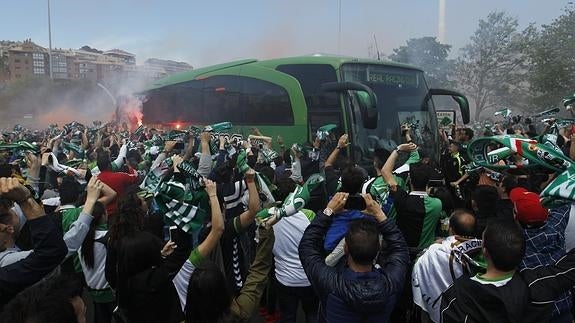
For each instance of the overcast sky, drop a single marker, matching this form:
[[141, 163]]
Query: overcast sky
[[209, 32]]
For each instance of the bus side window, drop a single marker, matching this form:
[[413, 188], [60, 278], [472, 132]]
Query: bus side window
[[189, 101], [222, 99], [310, 78], [323, 108], [266, 103]]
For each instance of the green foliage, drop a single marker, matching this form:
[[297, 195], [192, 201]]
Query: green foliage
[[492, 69], [552, 70], [428, 54]]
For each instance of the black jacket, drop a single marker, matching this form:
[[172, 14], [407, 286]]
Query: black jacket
[[527, 297], [49, 251], [346, 296], [150, 295]]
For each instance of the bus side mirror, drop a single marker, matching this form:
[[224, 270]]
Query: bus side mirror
[[458, 97], [365, 97]]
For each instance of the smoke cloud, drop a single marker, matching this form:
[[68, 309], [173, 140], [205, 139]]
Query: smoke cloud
[[39, 103]]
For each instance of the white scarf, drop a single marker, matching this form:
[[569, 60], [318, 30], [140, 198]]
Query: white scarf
[[436, 270]]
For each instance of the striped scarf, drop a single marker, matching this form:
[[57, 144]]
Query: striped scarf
[[138, 131], [156, 174], [543, 154], [178, 204], [75, 148], [294, 202], [262, 182], [20, 146]]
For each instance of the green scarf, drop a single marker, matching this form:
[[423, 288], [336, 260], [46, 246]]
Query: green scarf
[[547, 155], [295, 201], [178, 203]]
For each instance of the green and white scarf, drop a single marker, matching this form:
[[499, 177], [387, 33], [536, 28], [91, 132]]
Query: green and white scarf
[[177, 203], [546, 155], [156, 174], [538, 154], [20, 146], [75, 148], [294, 202], [505, 112]]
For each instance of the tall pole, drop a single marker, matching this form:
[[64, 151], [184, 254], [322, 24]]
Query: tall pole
[[49, 43], [376, 48], [441, 22], [339, 29]]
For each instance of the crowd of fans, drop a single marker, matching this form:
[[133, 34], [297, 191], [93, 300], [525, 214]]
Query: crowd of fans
[[193, 226]]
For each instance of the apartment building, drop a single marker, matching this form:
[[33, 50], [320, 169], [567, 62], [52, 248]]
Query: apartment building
[[26, 59]]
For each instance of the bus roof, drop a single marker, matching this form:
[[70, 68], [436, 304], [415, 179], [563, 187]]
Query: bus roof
[[335, 61]]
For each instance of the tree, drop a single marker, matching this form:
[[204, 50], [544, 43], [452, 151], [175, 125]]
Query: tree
[[428, 54], [492, 69], [552, 72]]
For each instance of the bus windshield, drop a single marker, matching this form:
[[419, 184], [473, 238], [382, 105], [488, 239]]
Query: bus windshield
[[400, 99]]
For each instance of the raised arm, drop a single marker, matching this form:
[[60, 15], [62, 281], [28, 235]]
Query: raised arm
[[85, 141], [119, 161], [406, 131], [248, 216], [205, 164], [443, 136], [280, 142], [341, 144], [190, 148], [202, 251], [217, 229], [388, 167], [34, 165], [108, 194], [75, 236], [98, 143], [49, 248], [296, 175]]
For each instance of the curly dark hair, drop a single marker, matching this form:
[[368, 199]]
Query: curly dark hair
[[128, 219]]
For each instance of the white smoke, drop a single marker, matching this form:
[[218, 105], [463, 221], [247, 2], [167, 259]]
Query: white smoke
[[41, 103]]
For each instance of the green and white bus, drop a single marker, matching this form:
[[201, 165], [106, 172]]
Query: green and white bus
[[293, 97]]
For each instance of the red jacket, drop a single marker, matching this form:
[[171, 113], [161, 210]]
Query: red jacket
[[119, 182]]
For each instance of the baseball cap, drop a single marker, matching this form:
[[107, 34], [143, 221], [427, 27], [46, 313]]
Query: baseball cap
[[527, 206]]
